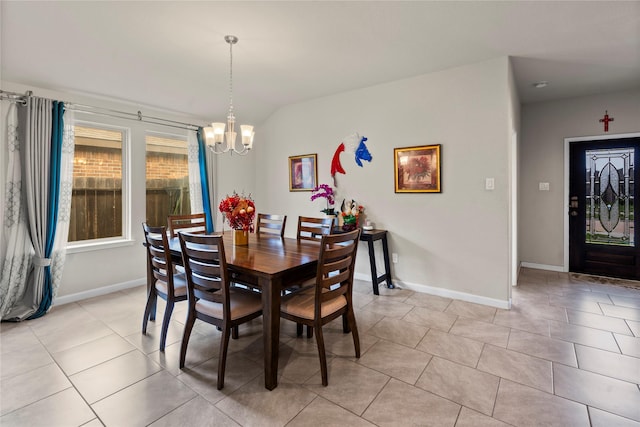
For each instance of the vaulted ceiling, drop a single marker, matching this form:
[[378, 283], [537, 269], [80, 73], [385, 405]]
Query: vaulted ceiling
[[172, 54]]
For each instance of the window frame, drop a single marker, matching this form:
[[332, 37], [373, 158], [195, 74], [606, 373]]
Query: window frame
[[125, 239]]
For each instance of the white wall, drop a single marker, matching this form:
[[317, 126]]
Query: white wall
[[456, 241], [544, 127]]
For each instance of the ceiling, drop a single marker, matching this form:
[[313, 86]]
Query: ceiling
[[172, 54]]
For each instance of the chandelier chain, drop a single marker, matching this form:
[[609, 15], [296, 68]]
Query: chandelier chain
[[231, 78]]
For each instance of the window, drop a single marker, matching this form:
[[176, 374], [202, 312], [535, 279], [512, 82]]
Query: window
[[167, 178], [97, 202]]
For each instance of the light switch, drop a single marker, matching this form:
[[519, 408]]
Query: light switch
[[489, 184], [543, 186]]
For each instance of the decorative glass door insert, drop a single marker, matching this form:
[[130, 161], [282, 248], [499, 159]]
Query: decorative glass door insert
[[609, 192]]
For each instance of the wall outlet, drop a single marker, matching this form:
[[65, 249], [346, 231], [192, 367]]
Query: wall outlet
[[394, 258], [543, 186], [489, 184]]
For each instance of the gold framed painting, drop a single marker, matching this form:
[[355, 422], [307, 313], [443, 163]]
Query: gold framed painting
[[418, 169], [303, 172]]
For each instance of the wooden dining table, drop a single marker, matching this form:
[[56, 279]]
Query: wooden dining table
[[268, 263]]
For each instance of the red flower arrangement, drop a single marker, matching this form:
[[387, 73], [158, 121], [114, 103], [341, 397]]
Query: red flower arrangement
[[238, 211]]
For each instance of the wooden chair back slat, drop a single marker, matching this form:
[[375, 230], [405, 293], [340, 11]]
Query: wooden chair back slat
[[271, 224], [310, 228], [194, 223]]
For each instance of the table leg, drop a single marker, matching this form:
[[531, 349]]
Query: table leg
[[387, 266], [270, 329], [374, 272]]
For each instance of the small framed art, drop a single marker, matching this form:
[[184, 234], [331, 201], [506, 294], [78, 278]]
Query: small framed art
[[417, 169], [303, 172]]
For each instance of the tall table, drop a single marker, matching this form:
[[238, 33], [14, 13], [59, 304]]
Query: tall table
[[371, 236], [268, 262]]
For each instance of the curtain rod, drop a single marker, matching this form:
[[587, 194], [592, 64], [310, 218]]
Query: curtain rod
[[89, 109]]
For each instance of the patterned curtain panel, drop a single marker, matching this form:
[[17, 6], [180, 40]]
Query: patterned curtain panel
[[195, 188], [16, 245], [41, 165]]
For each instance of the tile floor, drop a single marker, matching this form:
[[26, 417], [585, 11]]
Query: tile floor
[[567, 354]]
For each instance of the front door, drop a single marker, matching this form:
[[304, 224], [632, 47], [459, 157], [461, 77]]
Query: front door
[[603, 238]]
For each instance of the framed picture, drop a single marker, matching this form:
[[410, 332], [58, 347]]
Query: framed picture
[[303, 172], [417, 169]]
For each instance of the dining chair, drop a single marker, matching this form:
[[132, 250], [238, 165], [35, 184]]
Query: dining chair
[[271, 224], [193, 223], [165, 282], [310, 228], [331, 296], [209, 295]]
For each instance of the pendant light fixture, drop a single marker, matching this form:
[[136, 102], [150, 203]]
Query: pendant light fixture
[[215, 135]]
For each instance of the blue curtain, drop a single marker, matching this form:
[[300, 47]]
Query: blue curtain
[[57, 126], [206, 204]]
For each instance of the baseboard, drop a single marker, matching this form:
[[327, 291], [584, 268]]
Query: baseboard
[[66, 299], [442, 292], [533, 265]]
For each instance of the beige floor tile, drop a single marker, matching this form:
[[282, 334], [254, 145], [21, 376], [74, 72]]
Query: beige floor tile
[[151, 341], [254, 405], [399, 331], [351, 385], [596, 321], [397, 361], [481, 331], [575, 303], [199, 350], [461, 384], [400, 404], [340, 344], [203, 378], [543, 347], [61, 318], [621, 312], [613, 365], [84, 332], [628, 345], [541, 409], [631, 302], [23, 360], [16, 337], [431, 318], [388, 307], [24, 389], [606, 419], [366, 320], [543, 311], [597, 390], [299, 360], [90, 354], [322, 413], [158, 394], [634, 326], [432, 302], [65, 408], [471, 310], [583, 335], [196, 412], [451, 347], [397, 293], [93, 423], [470, 418], [109, 377], [518, 367], [516, 320]]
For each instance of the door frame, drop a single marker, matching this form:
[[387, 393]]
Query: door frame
[[565, 201]]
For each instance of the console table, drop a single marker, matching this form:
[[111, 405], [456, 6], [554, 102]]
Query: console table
[[371, 236]]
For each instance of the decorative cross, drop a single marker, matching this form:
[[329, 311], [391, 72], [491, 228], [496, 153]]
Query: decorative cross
[[606, 119]]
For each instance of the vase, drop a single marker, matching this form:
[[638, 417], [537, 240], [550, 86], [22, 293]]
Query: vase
[[240, 238]]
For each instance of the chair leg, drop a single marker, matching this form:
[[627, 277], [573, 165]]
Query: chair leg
[[222, 360], [165, 323], [234, 332], [299, 328], [149, 310], [309, 331], [354, 331], [345, 324], [188, 326], [322, 354]]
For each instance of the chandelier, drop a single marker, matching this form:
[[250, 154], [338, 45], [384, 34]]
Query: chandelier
[[215, 135]]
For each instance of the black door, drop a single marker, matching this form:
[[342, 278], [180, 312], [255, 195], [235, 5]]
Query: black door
[[602, 203]]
